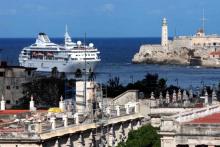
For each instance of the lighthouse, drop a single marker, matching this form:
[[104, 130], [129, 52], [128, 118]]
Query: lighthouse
[[164, 33]]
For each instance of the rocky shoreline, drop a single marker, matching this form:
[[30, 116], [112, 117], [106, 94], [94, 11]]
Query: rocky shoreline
[[156, 54]]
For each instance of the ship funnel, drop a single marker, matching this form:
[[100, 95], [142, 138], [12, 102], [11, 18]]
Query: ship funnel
[[42, 38]]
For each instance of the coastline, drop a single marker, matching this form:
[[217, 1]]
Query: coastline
[[197, 50]]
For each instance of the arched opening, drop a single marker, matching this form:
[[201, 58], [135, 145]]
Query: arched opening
[[182, 145], [201, 145]]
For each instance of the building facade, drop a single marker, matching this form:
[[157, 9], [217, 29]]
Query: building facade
[[194, 128], [11, 80]]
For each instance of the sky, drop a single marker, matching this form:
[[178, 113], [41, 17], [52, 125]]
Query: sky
[[106, 18]]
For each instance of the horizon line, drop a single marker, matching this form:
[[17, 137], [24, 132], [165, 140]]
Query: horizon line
[[87, 37]]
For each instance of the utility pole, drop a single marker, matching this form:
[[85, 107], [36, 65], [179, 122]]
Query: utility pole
[[85, 71]]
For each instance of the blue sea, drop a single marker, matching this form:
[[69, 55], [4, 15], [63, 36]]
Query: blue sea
[[116, 55]]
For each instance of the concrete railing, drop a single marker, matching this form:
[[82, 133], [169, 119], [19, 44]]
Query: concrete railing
[[53, 122], [204, 129], [127, 96], [196, 113], [19, 135], [167, 110]]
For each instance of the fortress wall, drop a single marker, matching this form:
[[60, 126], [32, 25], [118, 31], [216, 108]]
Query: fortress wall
[[178, 43], [206, 40], [149, 49]]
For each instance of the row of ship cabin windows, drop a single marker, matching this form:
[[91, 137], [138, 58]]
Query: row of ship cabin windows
[[207, 44], [86, 55]]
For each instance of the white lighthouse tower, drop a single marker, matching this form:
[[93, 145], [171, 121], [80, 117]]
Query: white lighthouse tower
[[164, 33]]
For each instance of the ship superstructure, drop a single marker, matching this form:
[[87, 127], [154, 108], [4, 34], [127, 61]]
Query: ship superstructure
[[70, 57]]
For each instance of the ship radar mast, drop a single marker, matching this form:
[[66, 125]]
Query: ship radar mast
[[68, 41], [66, 28], [67, 36]]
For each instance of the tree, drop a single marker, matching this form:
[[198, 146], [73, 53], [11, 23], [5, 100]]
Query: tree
[[78, 73], [46, 92], [151, 83], [145, 136], [91, 76], [114, 87], [54, 72]]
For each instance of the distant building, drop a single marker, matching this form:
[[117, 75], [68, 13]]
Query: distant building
[[11, 80], [215, 55], [199, 40]]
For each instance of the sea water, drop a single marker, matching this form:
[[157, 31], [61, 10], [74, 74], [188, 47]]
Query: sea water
[[116, 55]]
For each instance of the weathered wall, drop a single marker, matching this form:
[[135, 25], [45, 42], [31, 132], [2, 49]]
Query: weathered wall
[[128, 96]]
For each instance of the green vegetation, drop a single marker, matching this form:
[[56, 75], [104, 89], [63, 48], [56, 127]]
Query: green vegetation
[[150, 83], [45, 90], [114, 87], [145, 136]]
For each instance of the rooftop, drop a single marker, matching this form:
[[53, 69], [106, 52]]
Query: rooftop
[[210, 119], [3, 64], [215, 53], [10, 112]]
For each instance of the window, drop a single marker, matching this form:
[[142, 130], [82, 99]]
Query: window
[[8, 101], [2, 74], [29, 73], [8, 87]]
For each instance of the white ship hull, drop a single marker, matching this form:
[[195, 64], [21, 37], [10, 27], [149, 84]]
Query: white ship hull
[[62, 66], [45, 55]]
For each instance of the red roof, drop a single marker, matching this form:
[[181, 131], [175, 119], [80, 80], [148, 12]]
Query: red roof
[[215, 53], [210, 119], [8, 112]]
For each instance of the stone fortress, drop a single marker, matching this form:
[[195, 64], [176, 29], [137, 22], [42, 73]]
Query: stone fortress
[[199, 49]]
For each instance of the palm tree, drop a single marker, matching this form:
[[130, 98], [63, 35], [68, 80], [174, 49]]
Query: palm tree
[[78, 73], [54, 72]]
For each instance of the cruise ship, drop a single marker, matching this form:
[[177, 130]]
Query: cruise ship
[[70, 57]]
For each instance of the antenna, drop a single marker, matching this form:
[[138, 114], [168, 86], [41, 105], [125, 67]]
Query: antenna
[[85, 70], [175, 32], [66, 34], [203, 20], [66, 28]]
